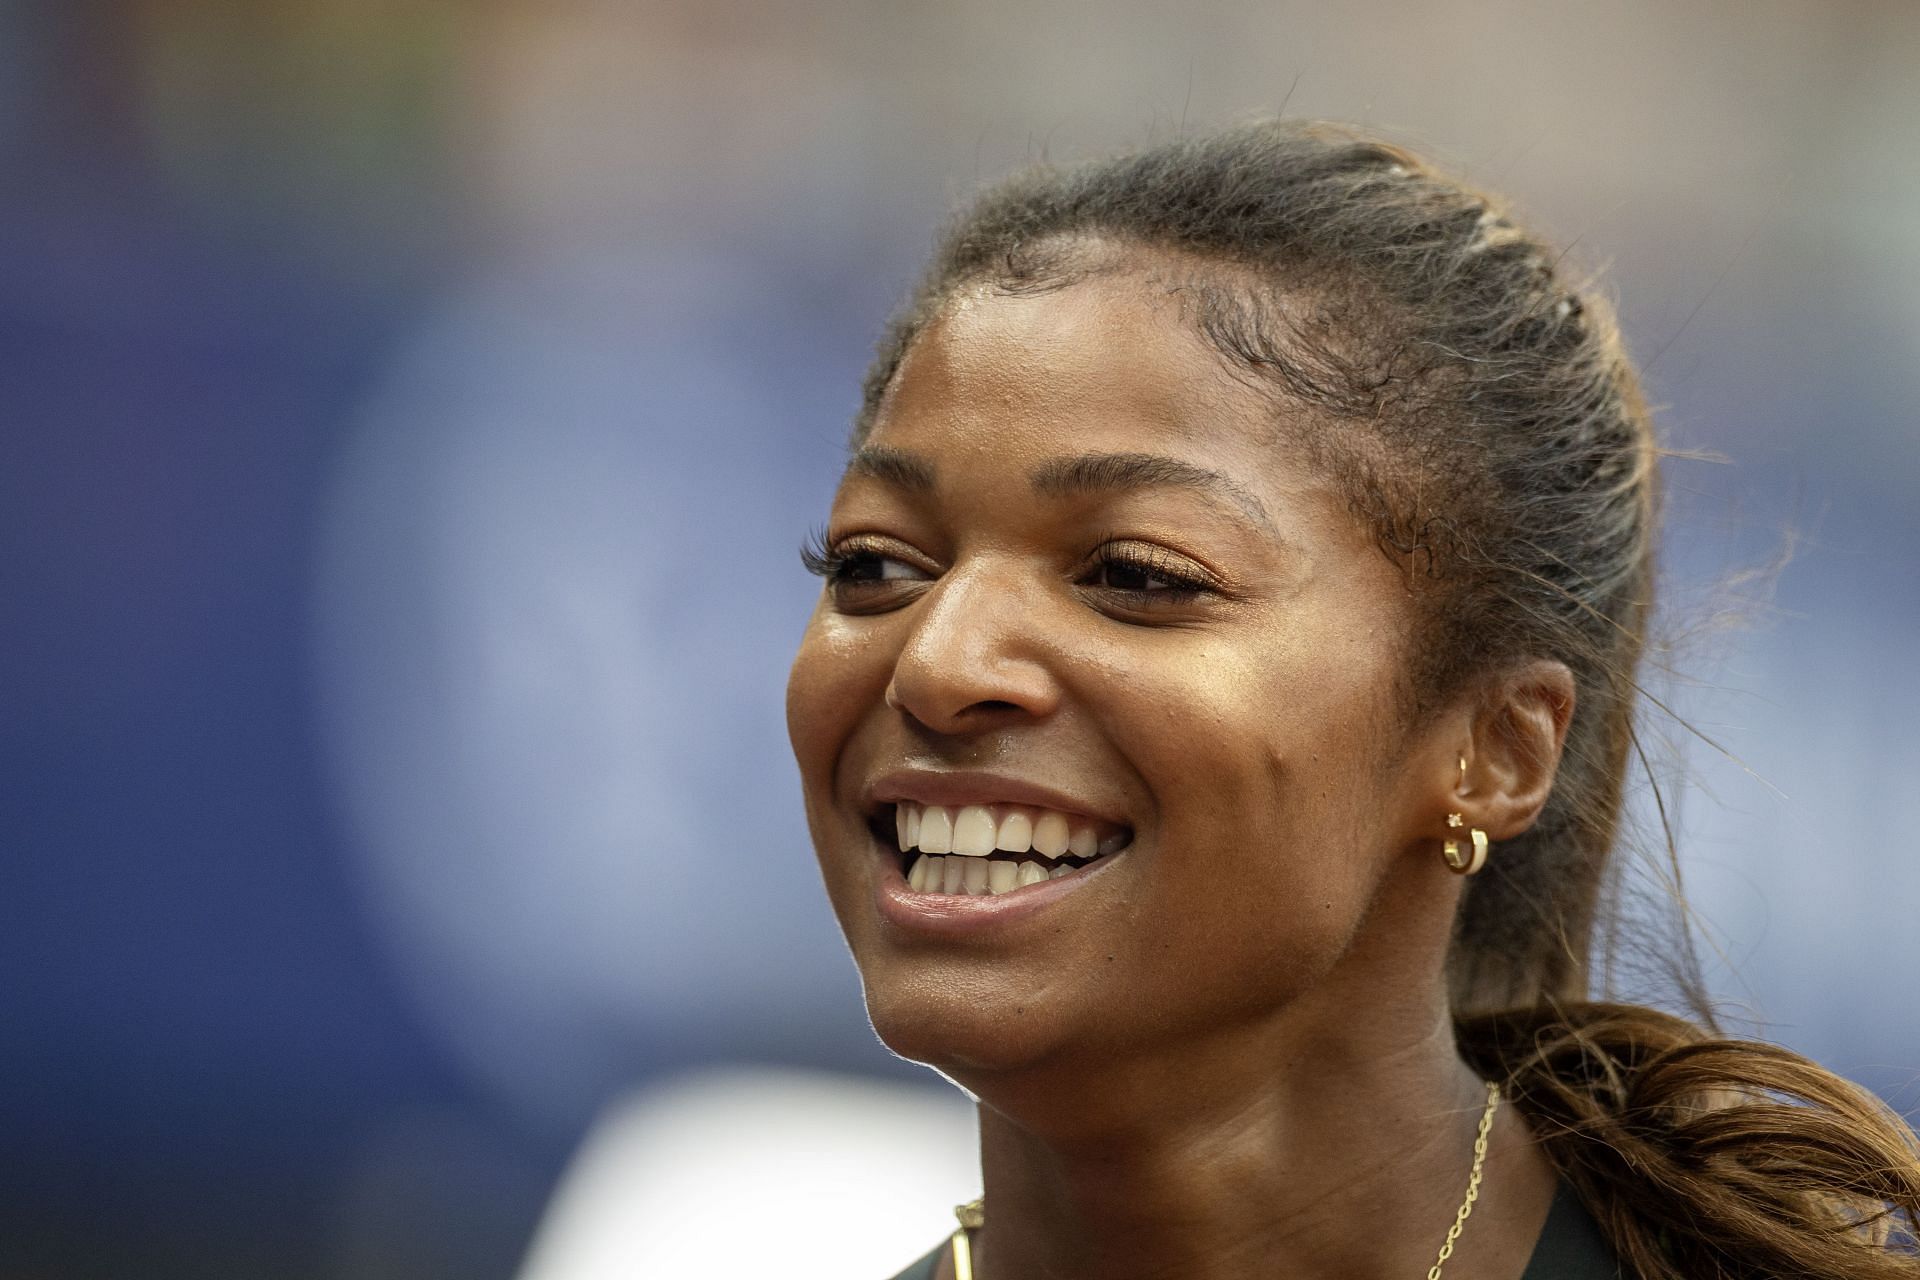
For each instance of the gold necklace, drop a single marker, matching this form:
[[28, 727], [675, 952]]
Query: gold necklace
[[973, 1215]]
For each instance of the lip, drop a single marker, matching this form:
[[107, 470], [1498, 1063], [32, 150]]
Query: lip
[[960, 916], [953, 787]]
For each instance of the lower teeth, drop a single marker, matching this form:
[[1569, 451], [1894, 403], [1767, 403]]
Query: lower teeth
[[983, 877]]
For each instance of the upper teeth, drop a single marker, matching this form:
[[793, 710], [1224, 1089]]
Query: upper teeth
[[976, 830]]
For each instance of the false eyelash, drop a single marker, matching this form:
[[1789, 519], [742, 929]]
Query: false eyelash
[[1182, 582], [820, 560]]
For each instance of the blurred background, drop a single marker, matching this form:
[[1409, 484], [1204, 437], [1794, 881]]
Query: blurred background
[[408, 415]]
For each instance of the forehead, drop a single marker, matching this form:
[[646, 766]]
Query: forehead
[[1107, 364]]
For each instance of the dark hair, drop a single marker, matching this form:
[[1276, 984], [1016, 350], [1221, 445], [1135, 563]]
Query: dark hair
[[1480, 410]]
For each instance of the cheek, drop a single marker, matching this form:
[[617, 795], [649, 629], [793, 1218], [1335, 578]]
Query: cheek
[[838, 676], [837, 680], [1263, 760], [1251, 726]]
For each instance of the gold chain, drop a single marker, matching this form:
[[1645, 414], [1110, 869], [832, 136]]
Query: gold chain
[[1473, 1181], [973, 1215]]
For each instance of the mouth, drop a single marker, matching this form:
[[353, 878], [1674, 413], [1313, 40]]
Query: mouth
[[984, 850]]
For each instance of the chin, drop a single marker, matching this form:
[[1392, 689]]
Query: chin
[[958, 1026]]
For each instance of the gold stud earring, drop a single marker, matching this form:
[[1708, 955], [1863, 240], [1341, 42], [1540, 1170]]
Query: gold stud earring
[[1458, 860]]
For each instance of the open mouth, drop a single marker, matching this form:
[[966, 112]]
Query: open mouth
[[985, 849]]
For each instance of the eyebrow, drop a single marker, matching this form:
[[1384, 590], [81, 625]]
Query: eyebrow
[[1086, 473], [1105, 472], [897, 466]]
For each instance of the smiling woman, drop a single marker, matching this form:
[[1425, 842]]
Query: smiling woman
[[1243, 539]]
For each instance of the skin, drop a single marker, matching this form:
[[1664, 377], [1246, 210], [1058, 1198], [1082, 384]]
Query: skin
[[1229, 1053]]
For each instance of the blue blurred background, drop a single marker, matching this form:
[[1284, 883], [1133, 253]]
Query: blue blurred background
[[408, 414]]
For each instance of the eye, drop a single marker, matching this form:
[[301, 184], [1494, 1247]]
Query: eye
[[861, 570], [872, 566], [1145, 575]]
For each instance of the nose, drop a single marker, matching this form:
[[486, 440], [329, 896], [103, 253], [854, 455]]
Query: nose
[[974, 658]]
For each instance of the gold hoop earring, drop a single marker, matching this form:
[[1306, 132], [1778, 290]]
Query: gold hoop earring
[[1458, 860]]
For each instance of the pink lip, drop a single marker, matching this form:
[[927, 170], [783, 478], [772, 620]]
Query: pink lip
[[967, 786], [958, 916]]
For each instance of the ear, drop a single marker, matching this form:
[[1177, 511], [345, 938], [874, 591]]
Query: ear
[[1518, 729]]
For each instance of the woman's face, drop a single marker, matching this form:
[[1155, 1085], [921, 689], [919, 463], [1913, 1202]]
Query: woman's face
[[1079, 574]]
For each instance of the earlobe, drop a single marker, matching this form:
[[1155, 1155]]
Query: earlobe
[[1518, 735]]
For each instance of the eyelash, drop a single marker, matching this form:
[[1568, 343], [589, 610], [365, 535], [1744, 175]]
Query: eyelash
[[834, 563], [1182, 584], [816, 557]]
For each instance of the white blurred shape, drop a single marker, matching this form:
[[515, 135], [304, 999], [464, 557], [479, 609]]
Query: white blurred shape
[[805, 1176]]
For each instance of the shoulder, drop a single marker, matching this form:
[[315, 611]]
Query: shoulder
[[1571, 1245]]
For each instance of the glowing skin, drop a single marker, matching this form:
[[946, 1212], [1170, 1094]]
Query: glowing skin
[[1252, 987]]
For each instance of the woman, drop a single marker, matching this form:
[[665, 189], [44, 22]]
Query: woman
[[1213, 733]]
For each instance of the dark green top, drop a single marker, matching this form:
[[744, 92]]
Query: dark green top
[[1570, 1247]]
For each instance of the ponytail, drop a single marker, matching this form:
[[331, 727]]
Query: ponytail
[[1704, 1158]]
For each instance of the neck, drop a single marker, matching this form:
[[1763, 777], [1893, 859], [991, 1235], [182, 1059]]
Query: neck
[[1349, 1159]]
